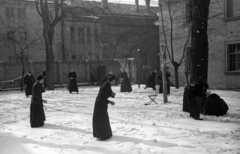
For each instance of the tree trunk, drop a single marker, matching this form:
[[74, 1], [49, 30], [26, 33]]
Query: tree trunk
[[48, 37], [176, 76], [23, 71], [199, 54]]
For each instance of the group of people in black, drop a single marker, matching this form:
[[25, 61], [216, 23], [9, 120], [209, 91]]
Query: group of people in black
[[101, 125], [29, 81], [156, 79], [197, 100]]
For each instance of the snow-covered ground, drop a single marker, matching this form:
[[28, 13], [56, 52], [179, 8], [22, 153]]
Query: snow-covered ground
[[137, 129]]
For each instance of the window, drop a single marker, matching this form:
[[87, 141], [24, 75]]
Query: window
[[23, 36], [233, 57], [80, 34], [232, 8], [21, 13], [9, 12], [88, 35], [51, 13], [9, 35], [96, 37], [73, 57], [188, 11], [72, 38], [105, 36], [126, 40]]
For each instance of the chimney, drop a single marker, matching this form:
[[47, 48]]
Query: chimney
[[137, 5], [105, 4], [148, 5]]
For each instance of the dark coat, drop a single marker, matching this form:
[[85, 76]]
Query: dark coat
[[45, 78], [105, 79], [125, 83], [151, 81], [168, 75], [28, 81], [37, 115], [194, 108], [101, 124], [186, 105], [214, 105], [72, 82]]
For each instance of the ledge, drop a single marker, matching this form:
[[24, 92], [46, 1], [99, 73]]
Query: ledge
[[231, 18], [231, 73]]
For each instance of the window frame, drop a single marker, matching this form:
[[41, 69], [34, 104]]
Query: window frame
[[229, 18], [227, 62], [9, 12], [21, 12]]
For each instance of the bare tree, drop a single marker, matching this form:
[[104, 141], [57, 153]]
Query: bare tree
[[51, 13], [175, 37], [21, 45]]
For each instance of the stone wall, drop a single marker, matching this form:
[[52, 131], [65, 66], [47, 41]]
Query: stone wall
[[10, 73]]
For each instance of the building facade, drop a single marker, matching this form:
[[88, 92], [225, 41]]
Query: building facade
[[89, 32]]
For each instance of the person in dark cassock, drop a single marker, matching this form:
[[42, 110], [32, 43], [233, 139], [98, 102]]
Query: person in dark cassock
[[28, 82], [186, 105], [214, 105], [125, 83], [45, 78], [37, 115], [151, 80], [159, 81], [168, 75], [201, 95], [196, 95], [101, 125], [72, 76], [105, 79]]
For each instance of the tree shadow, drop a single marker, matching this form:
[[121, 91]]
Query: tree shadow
[[161, 144], [60, 127], [17, 143]]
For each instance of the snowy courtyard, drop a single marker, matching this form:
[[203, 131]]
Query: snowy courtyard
[[137, 128]]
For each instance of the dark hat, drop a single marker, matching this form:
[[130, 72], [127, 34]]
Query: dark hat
[[39, 77], [111, 77]]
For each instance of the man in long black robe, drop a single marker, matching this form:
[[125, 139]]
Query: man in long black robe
[[45, 79], [37, 115], [151, 80], [196, 96], [125, 83], [186, 105], [101, 125], [168, 75], [72, 76], [28, 82], [105, 79]]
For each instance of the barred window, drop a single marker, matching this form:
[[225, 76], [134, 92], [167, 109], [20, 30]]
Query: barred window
[[72, 35], [80, 34], [233, 57], [10, 12]]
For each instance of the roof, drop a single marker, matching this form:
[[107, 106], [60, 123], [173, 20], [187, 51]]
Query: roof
[[115, 8]]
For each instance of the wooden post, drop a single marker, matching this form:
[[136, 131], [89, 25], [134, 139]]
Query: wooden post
[[163, 53], [165, 99]]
